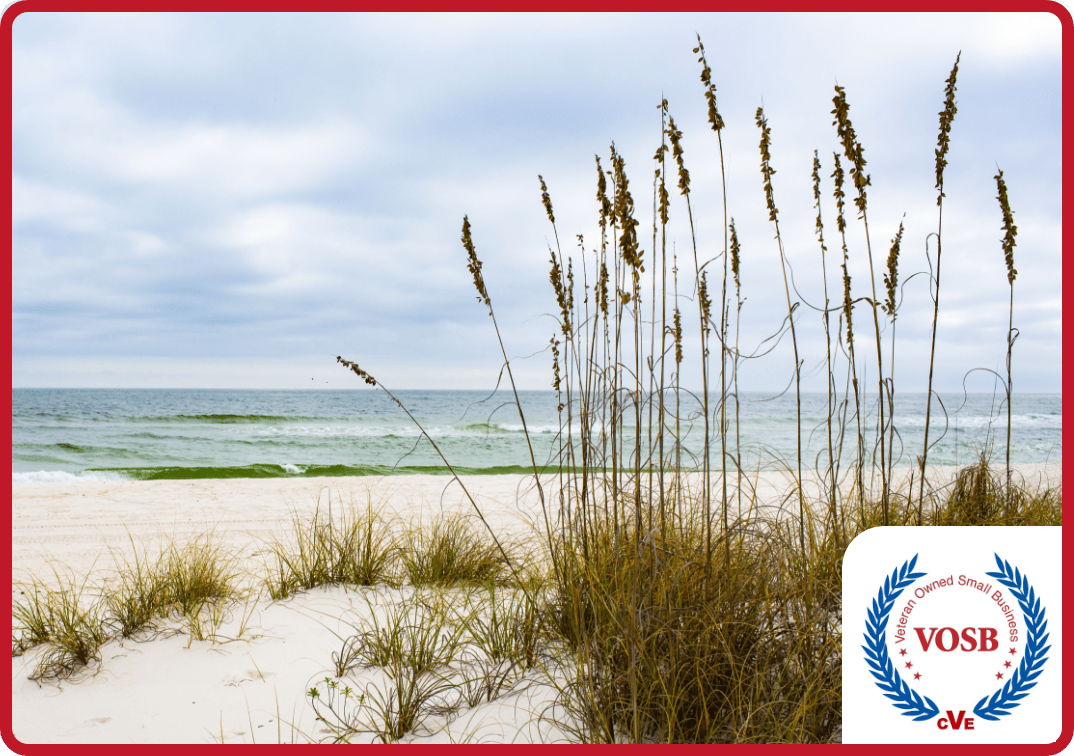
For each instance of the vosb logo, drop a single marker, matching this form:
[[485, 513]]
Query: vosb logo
[[987, 638], [953, 635], [931, 640]]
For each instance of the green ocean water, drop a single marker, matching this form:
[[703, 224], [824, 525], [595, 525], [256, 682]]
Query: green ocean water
[[153, 434]]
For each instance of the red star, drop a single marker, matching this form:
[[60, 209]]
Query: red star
[[1006, 664], [902, 652], [909, 664], [917, 675], [1013, 651], [999, 675]]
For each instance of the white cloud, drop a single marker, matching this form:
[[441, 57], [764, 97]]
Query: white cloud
[[38, 202], [253, 181]]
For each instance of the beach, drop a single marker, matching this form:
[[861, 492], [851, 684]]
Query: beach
[[249, 683], [249, 679]]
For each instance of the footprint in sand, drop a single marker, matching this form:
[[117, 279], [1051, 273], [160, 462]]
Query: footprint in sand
[[249, 675]]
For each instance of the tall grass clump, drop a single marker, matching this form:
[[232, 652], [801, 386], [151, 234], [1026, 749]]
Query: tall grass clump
[[685, 609], [355, 548], [980, 495], [66, 618], [669, 650], [181, 581], [139, 593], [197, 573], [75, 617], [450, 552]]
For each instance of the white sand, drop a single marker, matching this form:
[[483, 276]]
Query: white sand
[[248, 684]]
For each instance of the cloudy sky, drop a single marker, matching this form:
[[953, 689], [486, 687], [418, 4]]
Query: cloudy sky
[[232, 200]]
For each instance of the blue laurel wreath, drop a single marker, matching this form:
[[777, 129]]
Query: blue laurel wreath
[[876, 650], [1010, 695]]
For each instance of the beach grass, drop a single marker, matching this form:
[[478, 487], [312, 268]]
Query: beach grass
[[451, 551], [686, 620], [355, 548], [60, 617]]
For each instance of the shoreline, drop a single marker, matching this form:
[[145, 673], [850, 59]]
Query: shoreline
[[74, 524]]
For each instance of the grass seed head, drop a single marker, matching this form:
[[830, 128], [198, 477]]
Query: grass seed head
[[891, 278], [562, 295], [840, 195], [474, 264], [715, 119], [606, 210], [677, 331], [767, 171], [947, 117], [602, 290], [735, 250], [848, 306], [624, 210], [848, 302], [675, 136], [706, 301], [353, 366], [546, 200], [556, 381], [664, 201], [816, 198], [851, 147], [1009, 229]]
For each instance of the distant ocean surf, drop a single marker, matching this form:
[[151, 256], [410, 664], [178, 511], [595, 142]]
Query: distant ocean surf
[[153, 434]]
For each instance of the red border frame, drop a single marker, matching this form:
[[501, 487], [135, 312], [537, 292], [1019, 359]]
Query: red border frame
[[206, 6]]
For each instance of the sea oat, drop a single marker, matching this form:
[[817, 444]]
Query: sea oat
[[767, 171], [675, 136], [891, 278], [353, 366], [546, 200], [735, 250], [474, 264], [947, 117], [1009, 229], [853, 150], [715, 119]]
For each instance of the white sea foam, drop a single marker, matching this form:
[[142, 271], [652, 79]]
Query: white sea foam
[[395, 431], [1042, 422], [59, 476]]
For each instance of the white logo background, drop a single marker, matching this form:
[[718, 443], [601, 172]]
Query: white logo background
[[957, 679]]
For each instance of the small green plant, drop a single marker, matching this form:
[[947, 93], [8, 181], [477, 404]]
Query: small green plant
[[413, 645], [505, 628]]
